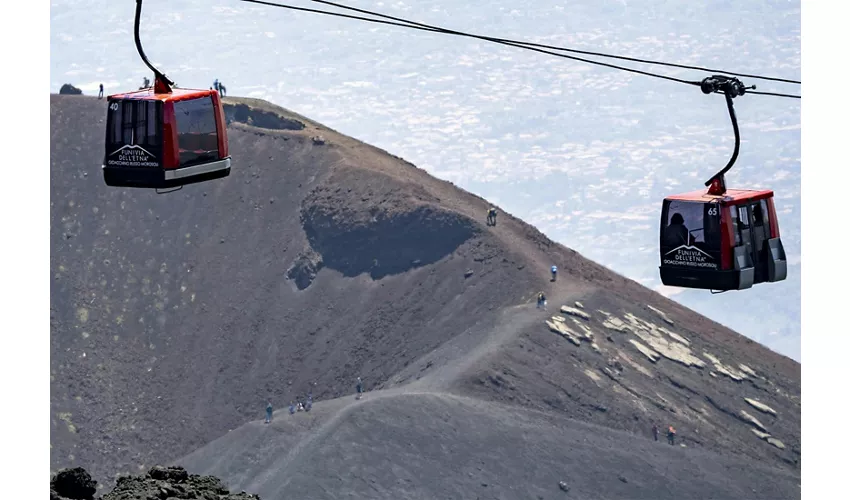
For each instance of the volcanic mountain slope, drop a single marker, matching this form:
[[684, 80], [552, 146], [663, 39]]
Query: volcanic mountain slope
[[320, 259], [419, 444], [436, 430]]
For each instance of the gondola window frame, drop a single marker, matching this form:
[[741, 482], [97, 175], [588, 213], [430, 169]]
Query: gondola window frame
[[136, 122], [196, 127]]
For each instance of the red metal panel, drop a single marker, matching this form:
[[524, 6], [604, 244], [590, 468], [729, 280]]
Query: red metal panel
[[170, 153]]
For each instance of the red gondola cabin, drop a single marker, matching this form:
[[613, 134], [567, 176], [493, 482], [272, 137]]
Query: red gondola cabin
[[721, 242], [164, 140]]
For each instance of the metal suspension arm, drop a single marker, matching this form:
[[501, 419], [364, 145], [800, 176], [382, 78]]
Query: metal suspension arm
[[730, 87], [162, 85]]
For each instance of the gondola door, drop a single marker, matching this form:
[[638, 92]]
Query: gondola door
[[753, 233], [762, 236]]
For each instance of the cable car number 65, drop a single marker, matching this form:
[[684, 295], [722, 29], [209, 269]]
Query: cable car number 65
[[712, 211]]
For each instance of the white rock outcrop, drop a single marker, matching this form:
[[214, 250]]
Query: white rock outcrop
[[572, 311], [760, 406], [561, 328], [725, 369], [646, 351], [775, 442], [770, 439], [753, 420], [662, 314]]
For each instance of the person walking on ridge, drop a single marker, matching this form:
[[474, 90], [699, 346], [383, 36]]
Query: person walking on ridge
[[541, 300], [269, 411], [100, 92], [671, 435], [359, 387], [491, 216]]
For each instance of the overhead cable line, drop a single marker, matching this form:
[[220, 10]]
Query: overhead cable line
[[553, 47], [436, 29], [776, 94], [458, 33]]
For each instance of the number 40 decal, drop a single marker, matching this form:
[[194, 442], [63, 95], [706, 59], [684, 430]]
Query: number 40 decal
[[114, 106]]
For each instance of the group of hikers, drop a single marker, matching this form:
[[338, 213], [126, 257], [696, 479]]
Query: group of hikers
[[294, 406], [671, 434], [219, 87], [541, 297], [146, 83], [541, 304], [306, 405]]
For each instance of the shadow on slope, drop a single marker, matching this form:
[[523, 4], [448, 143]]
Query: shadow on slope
[[439, 446], [242, 112], [362, 222]]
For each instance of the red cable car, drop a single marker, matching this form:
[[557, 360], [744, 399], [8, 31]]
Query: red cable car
[[721, 239], [163, 138]]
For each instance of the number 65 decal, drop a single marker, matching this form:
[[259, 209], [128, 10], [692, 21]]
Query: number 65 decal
[[712, 211], [114, 106]]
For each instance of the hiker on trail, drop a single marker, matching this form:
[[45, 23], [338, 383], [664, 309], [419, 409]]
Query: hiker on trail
[[269, 411], [554, 273], [292, 408], [100, 92], [671, 435], [655, 431], [491, 216], [146, 83], [541, 300], [359, 387]]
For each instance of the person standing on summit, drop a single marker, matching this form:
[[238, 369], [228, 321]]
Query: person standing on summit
[[359, 387]]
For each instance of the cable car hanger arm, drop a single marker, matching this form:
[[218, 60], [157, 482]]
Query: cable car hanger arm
[[162, 84], [730, 87]]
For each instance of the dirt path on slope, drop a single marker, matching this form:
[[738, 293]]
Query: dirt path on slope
[[511, 321]]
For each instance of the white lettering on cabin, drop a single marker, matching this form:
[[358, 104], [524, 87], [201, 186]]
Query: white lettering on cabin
[[132, 156], [690, 257]]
